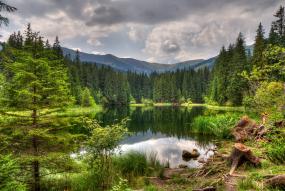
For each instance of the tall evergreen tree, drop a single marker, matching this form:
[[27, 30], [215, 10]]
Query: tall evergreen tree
[[259, 46], [279, 24], [237, 85], [36, 83]]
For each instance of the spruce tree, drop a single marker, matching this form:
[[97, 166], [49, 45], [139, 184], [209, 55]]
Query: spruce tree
[[237, 85], [36, 85], [259, 47]]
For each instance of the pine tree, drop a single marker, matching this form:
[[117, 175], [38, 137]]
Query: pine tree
[[259, 47], [29, 37], [237, 85], [57, 48], [279, 24], [36, 84]]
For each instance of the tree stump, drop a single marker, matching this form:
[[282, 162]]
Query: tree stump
[[241, 154], [276, 181]]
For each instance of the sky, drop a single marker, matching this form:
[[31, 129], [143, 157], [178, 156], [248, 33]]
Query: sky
[[160, 31]]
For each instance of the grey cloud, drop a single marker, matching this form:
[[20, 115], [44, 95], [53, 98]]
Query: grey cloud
[[159, 11], [166, 30]]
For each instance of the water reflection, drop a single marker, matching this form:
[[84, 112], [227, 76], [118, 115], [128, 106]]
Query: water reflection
[[161, 130], [168, 150]]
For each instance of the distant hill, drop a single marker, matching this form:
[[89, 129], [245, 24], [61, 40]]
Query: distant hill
[[130, 64]]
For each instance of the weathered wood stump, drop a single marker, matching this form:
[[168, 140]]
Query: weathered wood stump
[[206, 189], [241, 154], [276, 181], [248, 129]]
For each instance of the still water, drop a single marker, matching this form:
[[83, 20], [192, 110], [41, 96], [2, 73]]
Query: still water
[[162, 131]]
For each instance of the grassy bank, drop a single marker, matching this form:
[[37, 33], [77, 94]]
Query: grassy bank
[[151, 105], [213, 107]]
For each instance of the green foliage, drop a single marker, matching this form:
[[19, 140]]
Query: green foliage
[[86, 99], [135, 164], [121, 186], [36, 86], [151, 188], [275, 150], [219, 126], [131, 164], [10, 170], [268, 98], [100, 147], [247, 184], [227, 86]]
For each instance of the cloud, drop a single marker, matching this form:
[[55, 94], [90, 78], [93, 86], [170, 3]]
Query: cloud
[[165, 31]]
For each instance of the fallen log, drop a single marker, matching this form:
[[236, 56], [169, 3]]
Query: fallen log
[[205, 189], [276, 181], [241, 154]]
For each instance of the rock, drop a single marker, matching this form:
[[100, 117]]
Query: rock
[[186, 155], [195, 153], [183, 166]]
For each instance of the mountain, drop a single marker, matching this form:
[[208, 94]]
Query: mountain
[[130, 64]]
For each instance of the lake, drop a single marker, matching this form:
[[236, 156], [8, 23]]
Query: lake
[[162, 131]]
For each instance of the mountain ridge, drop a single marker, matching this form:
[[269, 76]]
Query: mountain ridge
[[135, 65]]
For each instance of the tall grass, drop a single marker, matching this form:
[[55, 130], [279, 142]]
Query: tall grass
[[219, 125], [275, 150], [135, 164]]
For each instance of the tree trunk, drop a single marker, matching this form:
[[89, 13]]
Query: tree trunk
[[36, 164], [36, 172], [241, 154]]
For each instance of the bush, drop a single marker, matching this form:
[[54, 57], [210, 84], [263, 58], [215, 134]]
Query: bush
[[219, 126], [268, 98]]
